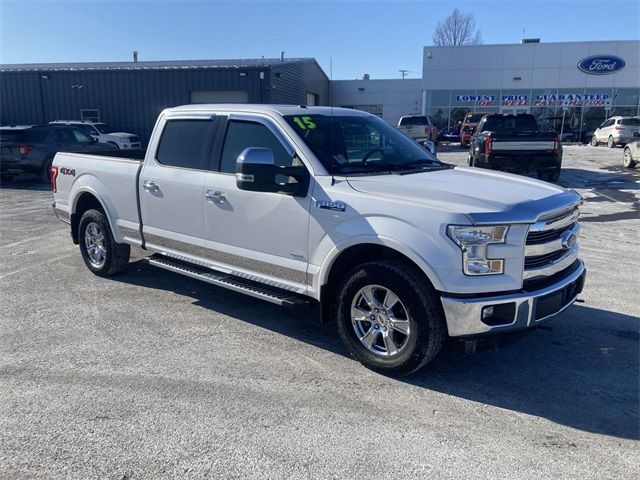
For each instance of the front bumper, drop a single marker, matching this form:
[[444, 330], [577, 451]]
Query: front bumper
[[530, 307]]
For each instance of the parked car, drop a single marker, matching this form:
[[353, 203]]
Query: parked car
[[294, 205], [468, 127], [513, 143], [104, 134], [631, 154], [31, 150], [616, 131], [419, 127]]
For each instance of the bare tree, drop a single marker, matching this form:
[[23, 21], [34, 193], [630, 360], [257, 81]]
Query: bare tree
[[457, 29]]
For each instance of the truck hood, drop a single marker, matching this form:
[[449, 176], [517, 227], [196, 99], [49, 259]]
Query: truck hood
[[485, 196]]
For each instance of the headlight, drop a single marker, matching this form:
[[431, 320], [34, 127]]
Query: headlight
[[473, 242], [123, 139]]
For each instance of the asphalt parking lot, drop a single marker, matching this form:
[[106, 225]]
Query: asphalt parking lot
[[153, 375]]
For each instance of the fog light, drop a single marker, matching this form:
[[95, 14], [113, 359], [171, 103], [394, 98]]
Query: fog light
[[487, 312], [496, 315]]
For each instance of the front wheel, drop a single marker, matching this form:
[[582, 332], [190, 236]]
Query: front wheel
[[627, 159], [100, 252], [389, 317]]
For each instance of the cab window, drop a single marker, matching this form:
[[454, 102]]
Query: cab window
[[183, 143], [243, 134]]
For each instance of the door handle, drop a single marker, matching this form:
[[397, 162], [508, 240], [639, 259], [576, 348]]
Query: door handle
[[150, 186], [216, 197]]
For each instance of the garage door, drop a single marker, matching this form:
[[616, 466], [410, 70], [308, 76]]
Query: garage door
[[219, 96]]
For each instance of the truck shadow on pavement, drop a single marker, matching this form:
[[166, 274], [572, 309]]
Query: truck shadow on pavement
[[580, 370]]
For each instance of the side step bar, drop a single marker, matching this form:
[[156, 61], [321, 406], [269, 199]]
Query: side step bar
[[231, 282]]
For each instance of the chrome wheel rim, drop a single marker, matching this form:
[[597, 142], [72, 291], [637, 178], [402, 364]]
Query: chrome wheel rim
[[94, 243], [627, 158], [380, 320]]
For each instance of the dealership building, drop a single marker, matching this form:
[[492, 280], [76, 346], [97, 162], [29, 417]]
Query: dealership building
[[578, 83], [571, 86]]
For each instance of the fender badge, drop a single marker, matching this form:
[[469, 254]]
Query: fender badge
[[327, 205]]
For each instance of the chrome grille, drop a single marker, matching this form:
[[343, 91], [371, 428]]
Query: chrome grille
[[551, 245]]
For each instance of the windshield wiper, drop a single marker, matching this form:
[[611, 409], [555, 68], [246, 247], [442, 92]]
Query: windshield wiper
[[424, 165]]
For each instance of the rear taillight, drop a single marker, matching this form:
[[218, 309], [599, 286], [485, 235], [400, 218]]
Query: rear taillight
[[25, 149], [617, 127], [488, 145], [54, 179]]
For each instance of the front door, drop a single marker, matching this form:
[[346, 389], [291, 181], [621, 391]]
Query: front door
[[262, 236], [171, 186]]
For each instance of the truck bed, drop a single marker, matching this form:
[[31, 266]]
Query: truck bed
[[110, 176]]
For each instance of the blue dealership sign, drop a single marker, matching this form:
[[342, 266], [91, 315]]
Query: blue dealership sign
[[601, 64]]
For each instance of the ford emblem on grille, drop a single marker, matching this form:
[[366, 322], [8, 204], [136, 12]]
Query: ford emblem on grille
[[601, 64], [568, 239]]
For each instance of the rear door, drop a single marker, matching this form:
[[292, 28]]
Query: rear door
[[171, 184]]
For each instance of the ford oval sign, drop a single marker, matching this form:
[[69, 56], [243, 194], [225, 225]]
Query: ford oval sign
[[601, 64]]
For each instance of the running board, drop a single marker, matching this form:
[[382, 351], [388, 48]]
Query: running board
[[231, 282]]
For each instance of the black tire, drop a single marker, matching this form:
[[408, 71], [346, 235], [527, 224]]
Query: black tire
[[610, 142], [549, 175], [594, 141], [417, 298], [627, 159], [115, 255], [45, 173]]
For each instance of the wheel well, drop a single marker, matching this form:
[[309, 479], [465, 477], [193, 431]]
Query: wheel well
[[86, 202], [347, 260]]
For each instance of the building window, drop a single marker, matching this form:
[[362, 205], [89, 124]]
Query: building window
[[90, 115]]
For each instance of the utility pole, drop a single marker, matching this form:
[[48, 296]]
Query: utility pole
[[403, 73]]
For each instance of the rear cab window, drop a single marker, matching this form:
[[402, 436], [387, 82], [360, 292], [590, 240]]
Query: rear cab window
[[415, 120], [510, 124], [184, 143]]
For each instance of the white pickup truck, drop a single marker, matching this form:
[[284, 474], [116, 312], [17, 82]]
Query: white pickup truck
[[315, 204]]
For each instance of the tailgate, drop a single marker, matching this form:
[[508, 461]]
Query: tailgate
[[524, 142]]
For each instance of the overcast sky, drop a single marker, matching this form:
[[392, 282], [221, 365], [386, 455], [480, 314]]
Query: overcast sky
[[375, 37]]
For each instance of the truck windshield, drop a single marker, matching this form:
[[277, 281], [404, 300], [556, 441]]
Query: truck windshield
[[361, 145]]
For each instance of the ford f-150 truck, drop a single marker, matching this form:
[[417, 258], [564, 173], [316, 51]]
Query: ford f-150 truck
[[298, 205], [513, 143]]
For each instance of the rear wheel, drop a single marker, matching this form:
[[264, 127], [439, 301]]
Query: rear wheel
[[389, 317], [549, 175], [610, 142], [100, 252], [594, 141], [627, 159]]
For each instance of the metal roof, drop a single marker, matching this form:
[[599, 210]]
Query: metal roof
[[151, 65]]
